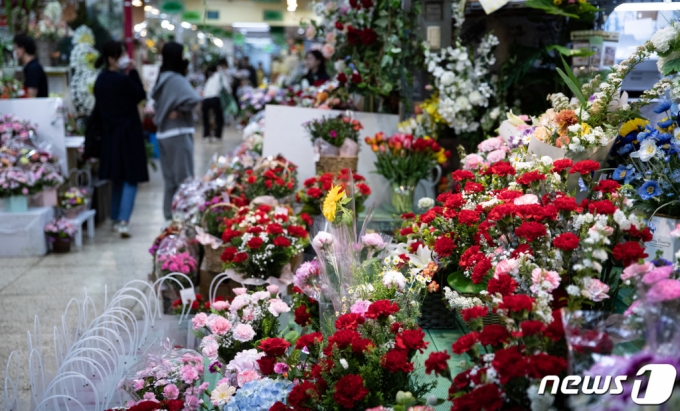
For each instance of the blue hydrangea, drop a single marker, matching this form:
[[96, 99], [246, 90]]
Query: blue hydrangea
[[662, 106], [649, 190], [259, 395], [625, 173]]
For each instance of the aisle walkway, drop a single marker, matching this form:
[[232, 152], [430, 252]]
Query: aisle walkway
[[44, 285]]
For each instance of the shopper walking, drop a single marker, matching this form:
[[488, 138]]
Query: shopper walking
[[35, 79], [118, 91], [174, 101], [214, 87]]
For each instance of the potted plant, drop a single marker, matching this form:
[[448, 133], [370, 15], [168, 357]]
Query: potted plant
[[73, 201], [335, 143], [60, 232]]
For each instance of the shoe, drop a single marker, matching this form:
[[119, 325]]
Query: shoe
[[124, 230], [114, 226]]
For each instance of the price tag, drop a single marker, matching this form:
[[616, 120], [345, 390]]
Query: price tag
[[187, 295], [281, 210]]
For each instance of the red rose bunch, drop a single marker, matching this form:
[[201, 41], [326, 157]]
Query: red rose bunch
[[316, 188], [261, 240]]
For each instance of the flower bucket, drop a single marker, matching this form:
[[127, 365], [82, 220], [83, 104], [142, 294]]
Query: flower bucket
[[72, 213], [662, 240], [16, 204], [60, 245], [45, 198], [402, 197]]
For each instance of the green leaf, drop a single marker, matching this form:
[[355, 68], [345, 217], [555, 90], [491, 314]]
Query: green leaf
[[549, 7], [572, 86], [386, 60], [570, 52], [459, 282], [671, 67], [291, 336], [381, 22]]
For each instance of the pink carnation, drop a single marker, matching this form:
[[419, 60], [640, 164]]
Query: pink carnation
[[472, 161], [496, 156], [240, 291], [490, 144], [636, 269], [277, 306], [171, 392], [199, 321], [505, 266], [281, 368], [220, 325], [273, 289], [664, 290], [544, 280], [658, 274], [189, 374], [243, 333], [526, 199], [360, 307], [247, 376], [220, 305]]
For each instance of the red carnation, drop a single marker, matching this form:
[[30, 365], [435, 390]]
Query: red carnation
[[302, 317], [509, 364], [255, 230], [274, 347], [460, 175], [428, 217], [315, 192], [502, 169], [297, 231], [381, 309], [503, 284], [307, 219], [408, 216], [341, 340], [531, 327], [364, 189], [584, 167], [274, 228], [240, 257], [486, 397], [444, 246], [561, 165], [173, 405], [349, 321], [406, 231], [360, 345], [411, 340], [228, 234], [644, 235], [481, 270], [507, 195], [301, 395], [477, 311], [521, 249], [146, 406], [437, 363], [605, 207], [555, 330], [342, 79], [308, 340], [279, 406], [454, 201], [228, 254], [517, 303], [464, 343], [566, 242], [468, 217], [494, 335], [281, 242], [350, 390], [530, 177], [266, 364], [472, 187], [255, 242], [396, 360], [565, 203], [338, 25], [607, 186], [628, 252], [530, 230], [541, 365]]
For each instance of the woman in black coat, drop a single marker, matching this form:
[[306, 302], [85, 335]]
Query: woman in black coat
[[123, 151]]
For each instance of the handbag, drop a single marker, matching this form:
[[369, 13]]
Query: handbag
[[93, 135]]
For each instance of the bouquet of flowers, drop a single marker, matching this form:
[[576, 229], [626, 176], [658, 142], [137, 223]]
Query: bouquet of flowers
[[316, 189], [74, 197], [167, 374], [261, 240], [182, 262], [60, 228], [334, 130], [46, 176], [276, 177], [12, 126], [239, 325], [10, 87], [16, 182], [306, 294]]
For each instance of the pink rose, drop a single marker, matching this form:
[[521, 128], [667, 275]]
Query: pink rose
[[664, 290], [220, 305], [240, 291], [658, 274], [544, 280], [330, 38], [273, 289], [505, 266], [243, 333], [636, 269], [220, 326], [526, 199], [490, 144], [594, 289], [495, 156], [360, 307], [199, 321], [310, 32], [171, 392], [277, 306], [472, 161], [247, 376]]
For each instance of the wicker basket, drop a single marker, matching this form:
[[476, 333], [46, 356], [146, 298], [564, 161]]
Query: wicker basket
[[490, 318], [435, 314], [213, 257], [333, 164]]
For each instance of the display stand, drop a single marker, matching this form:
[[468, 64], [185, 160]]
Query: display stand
[[23, 234]]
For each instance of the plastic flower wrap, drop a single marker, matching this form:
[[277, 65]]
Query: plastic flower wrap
[[240, 325], [167, 374], [74, 197], [187, 202], [60, 227], [12, 126], [272, 176], [317, 188], [261, 240]]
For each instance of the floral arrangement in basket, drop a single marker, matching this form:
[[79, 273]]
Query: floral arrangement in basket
[[338, 132], [404, 160], [261, 240], [50, 26], [15, 181], [181, 262], [47, 176], [73, 198], [60, 228], [317, 188], [12, 126], [167, 376], [239, 325], [276, 177]]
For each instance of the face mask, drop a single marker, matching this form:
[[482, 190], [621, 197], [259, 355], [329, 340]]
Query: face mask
[[123, 61]]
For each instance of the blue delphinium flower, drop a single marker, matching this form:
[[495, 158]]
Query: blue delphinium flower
[[675, 176], [649, 190], [662, 106], [259, 395], [666, 123], [625, 149], [625, 173], [664, 136]]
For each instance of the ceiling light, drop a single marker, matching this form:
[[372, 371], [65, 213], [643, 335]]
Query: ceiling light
[[137, 3], [170, 27], [647, 7], [142, 33], [218, 42], [165, 23], [251, 26], [155, 12], [292, 5], [148, 8], [186, 25]]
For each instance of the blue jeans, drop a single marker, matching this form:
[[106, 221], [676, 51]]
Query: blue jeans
[[122, 200]]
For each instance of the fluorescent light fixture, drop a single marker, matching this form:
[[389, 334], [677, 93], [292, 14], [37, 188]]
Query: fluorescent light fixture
[[155, 12], [292, 5], [165, 23], [186, 25], [142, 33], [170, 27], [200, 35], [648, 7], [218, 42], [251, 26], [137, 3], [148, 8]]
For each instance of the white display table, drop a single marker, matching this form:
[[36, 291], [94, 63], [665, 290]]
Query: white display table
[[23, 234]]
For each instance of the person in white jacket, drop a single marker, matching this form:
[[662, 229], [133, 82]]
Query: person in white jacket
[[214, 86]]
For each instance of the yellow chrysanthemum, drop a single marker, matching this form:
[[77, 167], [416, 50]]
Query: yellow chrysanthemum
[[330, 203], [630, 126]]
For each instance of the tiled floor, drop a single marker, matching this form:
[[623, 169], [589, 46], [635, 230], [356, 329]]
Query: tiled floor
[[43, 286]]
